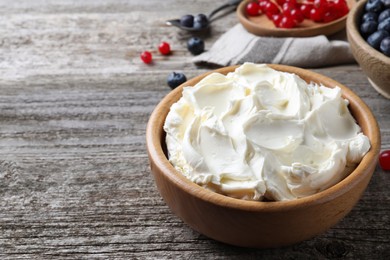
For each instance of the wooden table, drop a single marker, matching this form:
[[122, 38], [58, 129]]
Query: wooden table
[[74, 102]]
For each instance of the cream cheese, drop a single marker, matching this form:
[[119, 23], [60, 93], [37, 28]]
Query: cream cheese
[[259, 133]]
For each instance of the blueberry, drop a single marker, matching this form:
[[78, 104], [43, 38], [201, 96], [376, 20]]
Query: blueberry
[[385, 46], [370, 16], [175, 79], [384, 25], [187, 20], [384, 15], [367, 28], [386, 3], [195, 45], [201, 21], [374, 6], [374, 40]]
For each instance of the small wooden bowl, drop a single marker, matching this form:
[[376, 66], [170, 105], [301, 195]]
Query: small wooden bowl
[[375, 64], [262, 26], [251, 223]]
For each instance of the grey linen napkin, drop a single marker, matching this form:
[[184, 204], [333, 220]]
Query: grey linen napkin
[[237, 46]]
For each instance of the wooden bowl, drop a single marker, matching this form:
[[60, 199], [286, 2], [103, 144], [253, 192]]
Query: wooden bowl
[[375, 64], [252, 223], [262, 26]]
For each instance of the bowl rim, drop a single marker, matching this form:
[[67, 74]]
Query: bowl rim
[[354, 33], [155, 138]]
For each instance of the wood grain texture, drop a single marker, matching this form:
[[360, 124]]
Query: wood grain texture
[[74, 102]]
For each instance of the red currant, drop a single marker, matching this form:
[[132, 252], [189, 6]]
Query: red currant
[[305, 10], [288, 7], [271, 8], [276, 18], [342, 7], [287, 22], [316, 14], [146, 57], [253, 9], [164, 48], [318, 3], [297, 15], [330, 16], [262, 4], [384, 160]]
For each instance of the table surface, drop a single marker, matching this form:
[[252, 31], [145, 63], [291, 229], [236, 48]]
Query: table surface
[[74, 174]]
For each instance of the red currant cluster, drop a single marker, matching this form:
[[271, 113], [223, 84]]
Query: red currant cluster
[[290, 13], [164, 48]]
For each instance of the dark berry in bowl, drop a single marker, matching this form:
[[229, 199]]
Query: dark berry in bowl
[[374, 6], [370, 16], [375, 39], [201, 21], [385, 46], [187, 20], [369, 52], [384, 25], [386, 3], [374, 23], [175, 79], [368, 27], [384, 15], [195, 45]]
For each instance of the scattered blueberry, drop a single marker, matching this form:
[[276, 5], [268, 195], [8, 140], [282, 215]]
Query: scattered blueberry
[[201, 21], [187, 20], [384, 25], [374, 6], [195, 45], [374, 40], [385, 46], [367, 28], [175, 79], [370, 16], [384, 15]]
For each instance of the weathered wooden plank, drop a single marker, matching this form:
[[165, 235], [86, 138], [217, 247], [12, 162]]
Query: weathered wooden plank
[[74, 103]]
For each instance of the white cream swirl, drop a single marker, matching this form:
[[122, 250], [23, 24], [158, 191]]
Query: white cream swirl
[[259, 133]]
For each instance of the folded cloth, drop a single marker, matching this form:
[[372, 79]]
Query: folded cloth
[[237, 46]]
